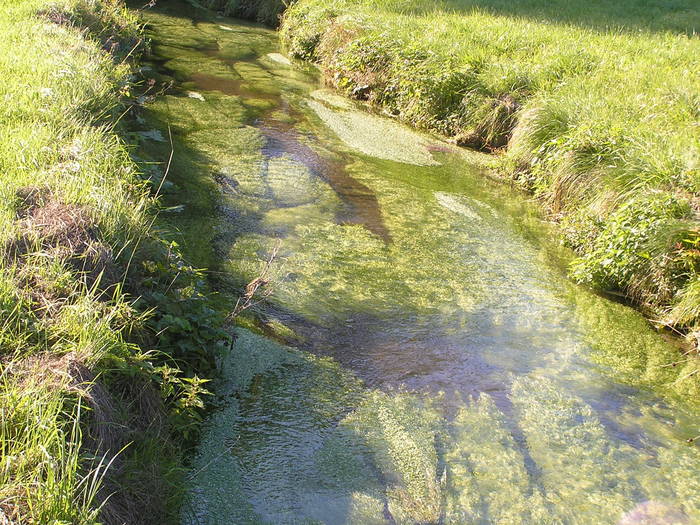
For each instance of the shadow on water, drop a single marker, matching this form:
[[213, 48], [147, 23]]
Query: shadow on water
[[453, 368], [230, 86], [362, 206], [193, 171]]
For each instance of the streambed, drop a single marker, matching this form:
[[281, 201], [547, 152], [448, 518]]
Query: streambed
[[437, 366]]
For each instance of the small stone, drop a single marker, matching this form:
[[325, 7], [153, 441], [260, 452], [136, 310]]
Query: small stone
[[654, 513], [279, 58], [361, 92], [195, 95]]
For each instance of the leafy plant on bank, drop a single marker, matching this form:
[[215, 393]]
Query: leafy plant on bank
[[634, 240]]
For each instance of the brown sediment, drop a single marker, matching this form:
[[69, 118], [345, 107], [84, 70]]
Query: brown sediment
[[227, 86], [236, 87]]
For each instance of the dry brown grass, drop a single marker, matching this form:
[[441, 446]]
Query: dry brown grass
[[53, 229]]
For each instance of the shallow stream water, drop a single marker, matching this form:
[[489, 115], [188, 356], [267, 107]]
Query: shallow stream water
[[437, 366]]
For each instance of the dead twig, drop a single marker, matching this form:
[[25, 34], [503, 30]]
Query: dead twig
[[257, 290]]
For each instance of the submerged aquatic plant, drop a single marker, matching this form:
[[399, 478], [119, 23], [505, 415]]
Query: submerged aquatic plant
[[535, 79]]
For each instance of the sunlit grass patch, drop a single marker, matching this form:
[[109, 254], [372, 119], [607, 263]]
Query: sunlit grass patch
[[42, 478], [67, 188]]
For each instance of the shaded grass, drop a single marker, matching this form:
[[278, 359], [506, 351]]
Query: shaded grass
[[267, 12], [593, 108]]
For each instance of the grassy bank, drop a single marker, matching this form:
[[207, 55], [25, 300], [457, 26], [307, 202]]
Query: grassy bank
[[103, 325], [594, 108], [264, 11]]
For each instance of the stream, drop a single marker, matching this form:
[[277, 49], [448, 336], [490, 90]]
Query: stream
[[421, 357]]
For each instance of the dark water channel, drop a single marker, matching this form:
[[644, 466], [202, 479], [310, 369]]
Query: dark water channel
[[438, 366]]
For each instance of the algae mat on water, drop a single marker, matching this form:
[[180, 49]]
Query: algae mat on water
[[448, 372], [315, 463]]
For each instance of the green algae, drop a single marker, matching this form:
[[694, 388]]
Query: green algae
[[185, 114], [365, 277], [680, 468], [177, 32], [217, 476], [633, 352], [234, 141], [375, 136], [279, 58], [309, 472], [400, 433], [340, 269], [290, 183], [332, 99], [487, 480], [574, 451], [460, 295], [184, 68], [166, 52]]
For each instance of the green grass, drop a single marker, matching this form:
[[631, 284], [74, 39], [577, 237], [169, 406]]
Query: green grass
[[593, 107], [92, 383], [264, 11]]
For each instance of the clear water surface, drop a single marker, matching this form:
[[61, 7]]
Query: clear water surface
[[438, 366]]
